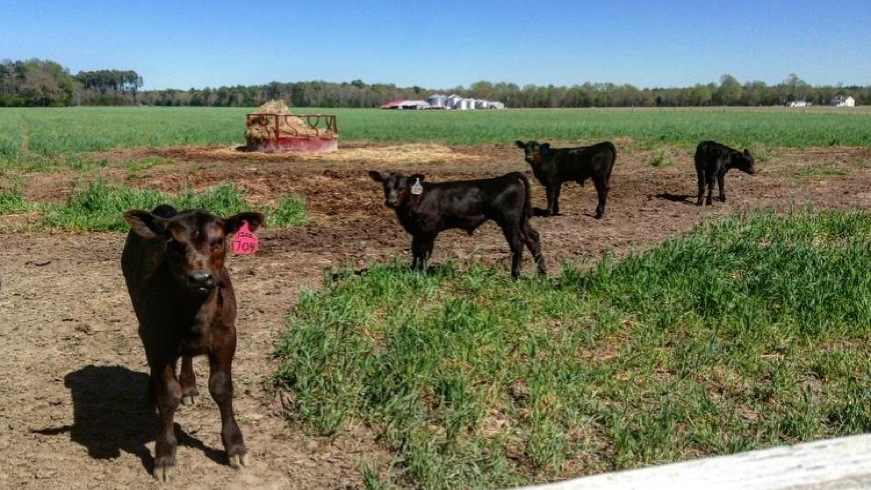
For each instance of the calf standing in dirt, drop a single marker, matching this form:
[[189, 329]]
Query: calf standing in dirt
[[173, 264], [553, 166], [713, 160], [425, 209]]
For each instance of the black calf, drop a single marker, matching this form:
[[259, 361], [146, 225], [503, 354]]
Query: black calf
[[425, 209], [553, 166], [713, 160]]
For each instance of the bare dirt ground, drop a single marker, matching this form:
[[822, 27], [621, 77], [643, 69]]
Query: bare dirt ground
[[72, 371]]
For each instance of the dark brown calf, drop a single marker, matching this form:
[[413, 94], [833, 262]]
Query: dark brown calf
[[173, 264]]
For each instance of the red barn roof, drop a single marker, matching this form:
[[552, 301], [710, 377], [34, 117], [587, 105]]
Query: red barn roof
[[393, 104]]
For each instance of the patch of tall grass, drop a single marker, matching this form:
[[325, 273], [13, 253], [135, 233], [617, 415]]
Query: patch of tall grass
[[100, 206], [751, 331], [12, 201], [290, 210]]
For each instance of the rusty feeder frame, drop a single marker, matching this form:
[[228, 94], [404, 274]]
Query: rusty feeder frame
[[321, 133]]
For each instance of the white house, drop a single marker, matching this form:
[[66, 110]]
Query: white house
[[482, 104], [843, 101]]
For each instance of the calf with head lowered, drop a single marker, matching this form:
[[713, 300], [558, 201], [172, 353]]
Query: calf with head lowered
[[554, 166], [713, 160], [425, 209], [173, 265]]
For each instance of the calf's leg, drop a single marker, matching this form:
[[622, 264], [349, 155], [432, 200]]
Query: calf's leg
[[418, 252], [701, 175], [168, 392], [533, 243], [188, 380], [602, 187], [550, 192], [221, 389], [556, 192], [421, 250], [516, 239], [428, 244], [710, 183], [721, 182]]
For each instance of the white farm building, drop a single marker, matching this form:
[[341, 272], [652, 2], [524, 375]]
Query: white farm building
[[843, 101], [440, 101]]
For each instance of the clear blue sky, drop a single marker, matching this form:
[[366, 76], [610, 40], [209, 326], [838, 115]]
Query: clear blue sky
[[198, 43]]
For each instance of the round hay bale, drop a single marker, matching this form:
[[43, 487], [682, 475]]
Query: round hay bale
[[262, 125]]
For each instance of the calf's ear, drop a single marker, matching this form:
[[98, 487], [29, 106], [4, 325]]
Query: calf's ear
[[376, 176], [419, 177], [233, 223], [520, 144], [145, 224]]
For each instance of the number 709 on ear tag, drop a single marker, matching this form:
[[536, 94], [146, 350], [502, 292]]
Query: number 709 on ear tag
[[245, 242]]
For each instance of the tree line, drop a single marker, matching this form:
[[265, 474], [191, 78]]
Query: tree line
[[728, 92], [46, 83]]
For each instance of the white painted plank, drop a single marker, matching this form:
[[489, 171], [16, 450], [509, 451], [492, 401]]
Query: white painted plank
[[832, 464]]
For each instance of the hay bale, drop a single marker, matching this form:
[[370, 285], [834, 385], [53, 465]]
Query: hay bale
[[262, 126]]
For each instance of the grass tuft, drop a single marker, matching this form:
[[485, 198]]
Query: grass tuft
[[660, 159], [289, 211], [824, 169], [749, 332], [13, 202]]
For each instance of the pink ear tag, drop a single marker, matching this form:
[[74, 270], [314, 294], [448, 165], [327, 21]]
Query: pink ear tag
[[245, 242]]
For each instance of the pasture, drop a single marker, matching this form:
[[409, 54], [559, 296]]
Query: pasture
[[666, 331], [27, 133]]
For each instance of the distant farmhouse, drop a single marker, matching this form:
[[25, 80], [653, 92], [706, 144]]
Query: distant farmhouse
[[444, 102], [843, 101]]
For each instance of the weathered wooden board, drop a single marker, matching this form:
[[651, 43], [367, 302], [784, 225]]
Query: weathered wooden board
[[833, 464]]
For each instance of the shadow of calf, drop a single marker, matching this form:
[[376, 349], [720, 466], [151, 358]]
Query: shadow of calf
[[684, 198], [111, 415]]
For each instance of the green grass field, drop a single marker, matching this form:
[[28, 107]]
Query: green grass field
[[34, 133], [751, 331]]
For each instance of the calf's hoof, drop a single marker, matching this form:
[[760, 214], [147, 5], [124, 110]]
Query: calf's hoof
[[599, 215], [239, 461], [163, 467], [190, 400]]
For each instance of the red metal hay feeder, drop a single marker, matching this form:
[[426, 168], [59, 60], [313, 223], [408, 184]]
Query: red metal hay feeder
[[279, 133]]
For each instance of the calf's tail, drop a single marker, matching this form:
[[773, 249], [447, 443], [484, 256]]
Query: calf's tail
[[528, 202], [613, 159]]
